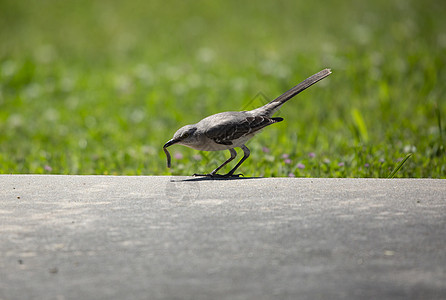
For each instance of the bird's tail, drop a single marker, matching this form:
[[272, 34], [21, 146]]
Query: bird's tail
[[270, 108]]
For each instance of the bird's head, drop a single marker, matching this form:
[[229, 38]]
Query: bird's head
[[184, 136]]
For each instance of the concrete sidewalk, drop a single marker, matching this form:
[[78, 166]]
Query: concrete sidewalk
[[108, 237]]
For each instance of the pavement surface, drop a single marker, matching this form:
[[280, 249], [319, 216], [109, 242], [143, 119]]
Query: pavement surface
[[111, 237]]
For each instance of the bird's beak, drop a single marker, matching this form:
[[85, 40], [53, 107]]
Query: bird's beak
[[169, 143]]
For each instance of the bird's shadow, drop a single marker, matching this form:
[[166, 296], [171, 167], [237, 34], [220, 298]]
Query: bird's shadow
[[208, 178]]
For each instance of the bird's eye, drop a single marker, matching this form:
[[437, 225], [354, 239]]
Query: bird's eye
[[185, 135]]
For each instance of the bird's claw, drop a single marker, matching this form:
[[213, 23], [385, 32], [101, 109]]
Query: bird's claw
[[234, 175], [219, 175]]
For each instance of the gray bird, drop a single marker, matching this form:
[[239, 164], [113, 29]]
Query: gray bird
[[232, 129]]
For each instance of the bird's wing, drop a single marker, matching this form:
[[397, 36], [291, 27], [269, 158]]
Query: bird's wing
[[225, 132]]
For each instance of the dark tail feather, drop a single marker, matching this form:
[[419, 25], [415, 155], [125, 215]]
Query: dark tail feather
[[302, 86], [277, 119], [270, 108]]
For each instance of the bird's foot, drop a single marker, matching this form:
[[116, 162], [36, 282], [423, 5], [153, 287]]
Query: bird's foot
[[202, 175], [219, 176], [234, 175]]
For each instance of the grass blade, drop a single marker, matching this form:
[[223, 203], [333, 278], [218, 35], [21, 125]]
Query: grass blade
[[392, 175], [359, 124], [440, 127]]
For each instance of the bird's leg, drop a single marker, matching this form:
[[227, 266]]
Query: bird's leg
[[246, 153], [214, 173]]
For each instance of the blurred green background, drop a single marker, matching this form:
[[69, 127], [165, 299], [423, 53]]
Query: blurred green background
[[97, 87]]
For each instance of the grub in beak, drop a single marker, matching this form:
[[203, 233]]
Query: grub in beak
[[169, 143]]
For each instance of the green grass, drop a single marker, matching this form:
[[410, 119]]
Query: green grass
[[97, 87]]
